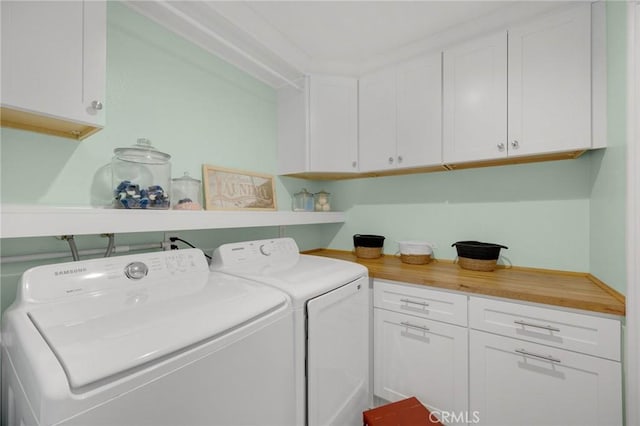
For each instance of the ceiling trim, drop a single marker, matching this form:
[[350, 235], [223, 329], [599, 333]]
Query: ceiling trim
[[227, 41]]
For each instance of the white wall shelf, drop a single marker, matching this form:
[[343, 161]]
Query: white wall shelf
[[20, 221]]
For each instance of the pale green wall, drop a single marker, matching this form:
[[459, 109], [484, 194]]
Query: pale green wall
[[608, 206], [540, 211]]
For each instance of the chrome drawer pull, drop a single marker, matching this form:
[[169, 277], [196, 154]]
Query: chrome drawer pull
[[545, 327], [545, 357], [425, 304], [417, 327]]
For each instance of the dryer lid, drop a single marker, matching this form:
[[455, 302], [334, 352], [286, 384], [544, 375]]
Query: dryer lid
[[98, 337]]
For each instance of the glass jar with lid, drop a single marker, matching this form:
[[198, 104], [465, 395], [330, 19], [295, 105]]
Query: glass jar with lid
[[322, 203], [303, 201], [186, 193], [141, 177]]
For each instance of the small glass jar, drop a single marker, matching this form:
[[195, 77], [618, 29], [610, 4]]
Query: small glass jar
[[186, 193], [303, 201], [141, 176], [322, 203]]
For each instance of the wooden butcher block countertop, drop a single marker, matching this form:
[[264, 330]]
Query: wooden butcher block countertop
[[567, 289]]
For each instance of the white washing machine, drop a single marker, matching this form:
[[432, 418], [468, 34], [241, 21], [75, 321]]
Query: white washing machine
[[331, 305], [150, 339]]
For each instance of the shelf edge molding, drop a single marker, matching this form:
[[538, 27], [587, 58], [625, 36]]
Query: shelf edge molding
[[20, 221]]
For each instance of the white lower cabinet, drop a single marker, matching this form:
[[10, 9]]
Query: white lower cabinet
[[533, 365], [514, 382], [477, 360], [415, 356], [421, 358]]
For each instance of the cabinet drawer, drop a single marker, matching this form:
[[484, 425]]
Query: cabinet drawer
[[567, 330], [420, 301]]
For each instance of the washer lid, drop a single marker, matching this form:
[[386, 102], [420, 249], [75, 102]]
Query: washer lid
[[98, 337]]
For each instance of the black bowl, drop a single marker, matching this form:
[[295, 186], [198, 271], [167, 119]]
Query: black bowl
[[478, 250], [368, 240]]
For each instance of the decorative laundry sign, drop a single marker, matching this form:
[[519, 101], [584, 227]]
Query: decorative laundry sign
[[228, 189]]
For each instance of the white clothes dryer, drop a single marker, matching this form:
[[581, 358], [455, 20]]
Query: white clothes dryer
[[149, 339], [332, 334]]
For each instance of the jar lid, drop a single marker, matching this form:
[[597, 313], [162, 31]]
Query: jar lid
[[304, 192], [186, 178], [142, 151], [323, 192]]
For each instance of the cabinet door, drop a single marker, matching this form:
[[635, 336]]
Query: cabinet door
[[550, 83], [421, 358], [378, 121], [53, 58], [419, 117], [333, 124], [514, 382], [475, 100]]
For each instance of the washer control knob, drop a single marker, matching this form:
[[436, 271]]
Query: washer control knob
[[265, 250], [136, 270]]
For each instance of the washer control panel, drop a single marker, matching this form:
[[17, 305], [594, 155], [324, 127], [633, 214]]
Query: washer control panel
[[62, 280], [259, 251]]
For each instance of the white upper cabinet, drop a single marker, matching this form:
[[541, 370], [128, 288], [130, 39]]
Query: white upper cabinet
[[318, 126], [419, 97], [555, 85], [53, 66], [333, 124], [475, 100], [401, 116], [378, 120], [550, 83]]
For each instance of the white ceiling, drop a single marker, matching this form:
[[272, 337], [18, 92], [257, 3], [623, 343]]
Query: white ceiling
[[352, 31], [278, 41]]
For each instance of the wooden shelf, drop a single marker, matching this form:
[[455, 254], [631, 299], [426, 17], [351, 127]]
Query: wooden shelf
[[20, 221]]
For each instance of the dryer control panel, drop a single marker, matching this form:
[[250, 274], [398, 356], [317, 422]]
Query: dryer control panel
[[259, 251]]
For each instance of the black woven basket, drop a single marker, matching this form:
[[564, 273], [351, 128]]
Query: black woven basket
[[363, 240], [478, 250]]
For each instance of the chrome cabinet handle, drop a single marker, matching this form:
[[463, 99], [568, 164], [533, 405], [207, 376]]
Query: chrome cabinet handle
[[97, 105], [500, 147], [399, 158], [390, 160], [515, 144], [544, 327], [417, 327], [425, 304], [354, 164], [545, 357]]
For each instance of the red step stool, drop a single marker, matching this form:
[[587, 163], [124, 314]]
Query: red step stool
[[408, 412]]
